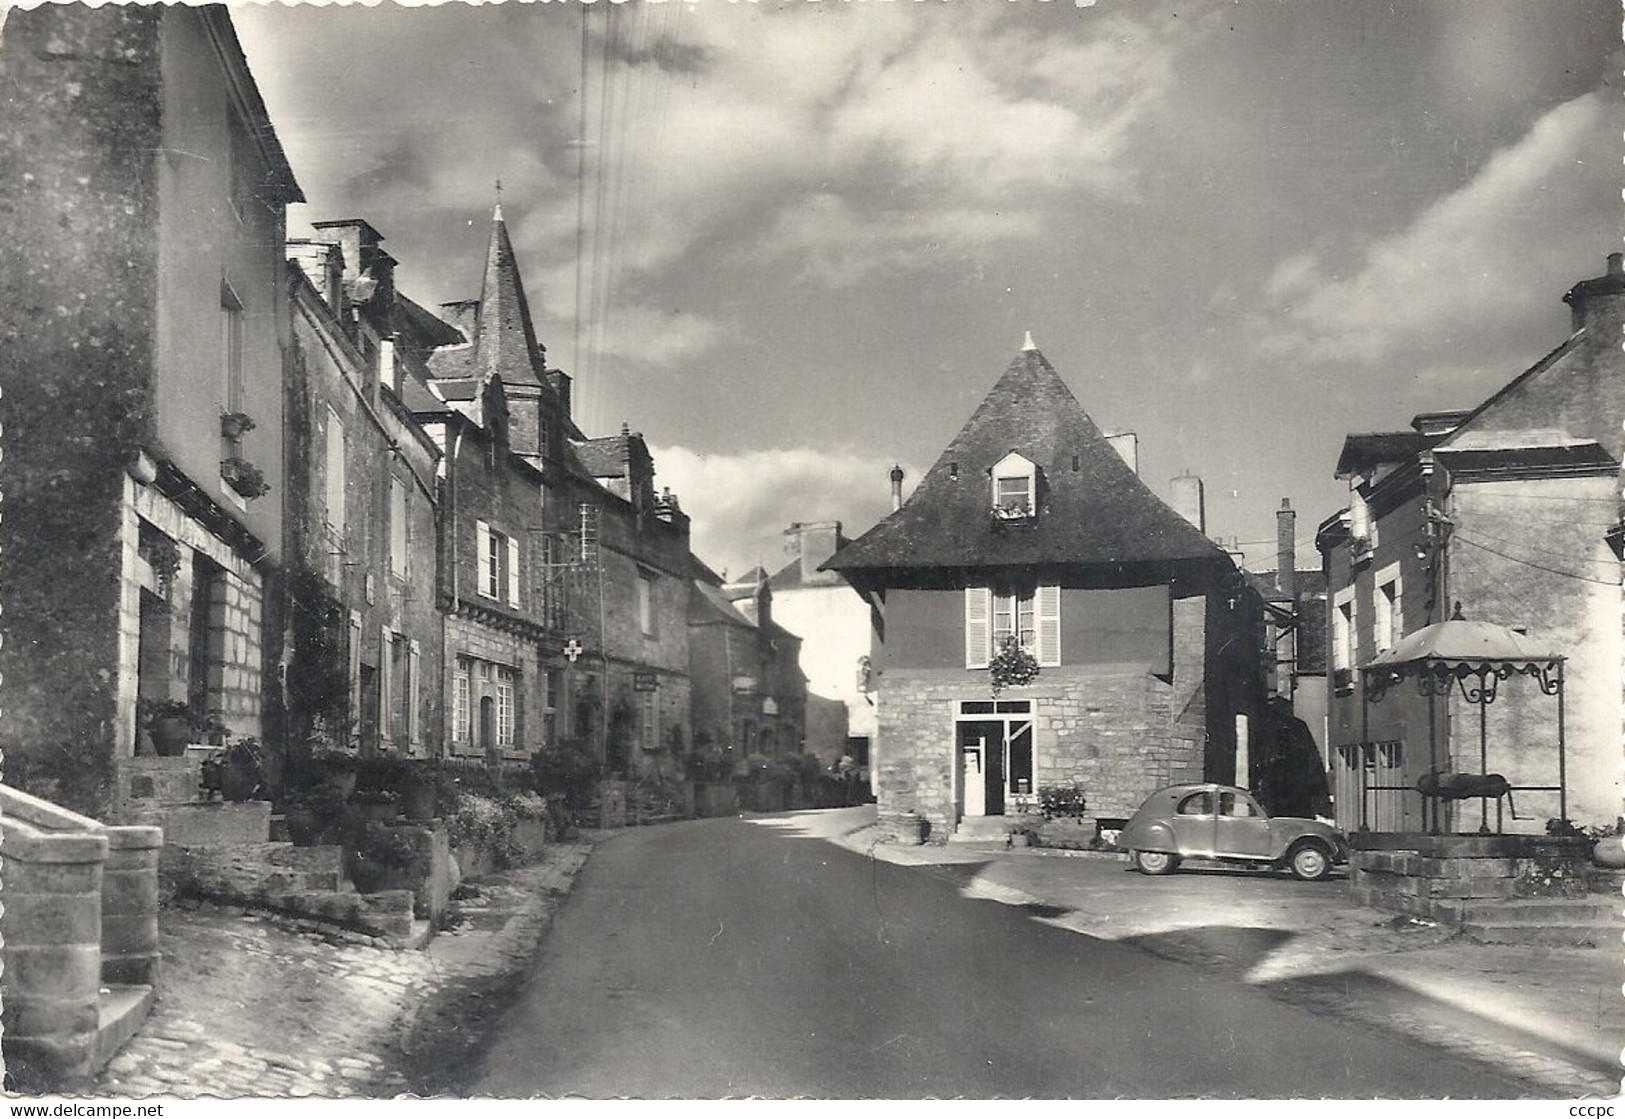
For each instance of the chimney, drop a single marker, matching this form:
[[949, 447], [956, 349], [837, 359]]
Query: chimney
[[560, 382], [1286, 549], [369, 272], [1597, 304], [386, 364], [333, 287], [896, 488], [814, 543], [1188, 500], [1127, 446]]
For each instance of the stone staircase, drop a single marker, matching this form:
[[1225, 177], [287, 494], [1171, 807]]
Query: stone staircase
[[80, 948], [223, 852], [982, 829]]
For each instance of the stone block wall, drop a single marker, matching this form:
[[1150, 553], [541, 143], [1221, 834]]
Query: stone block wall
[[1111, 730], [1449, 877], [467, 636]]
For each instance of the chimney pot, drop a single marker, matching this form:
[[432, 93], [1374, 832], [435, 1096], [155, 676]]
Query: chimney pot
[[896, 488], [1616, 264]]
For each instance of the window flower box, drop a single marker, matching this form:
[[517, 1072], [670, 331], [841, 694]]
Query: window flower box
[[234, 425], [1012, 666], [244, 477]]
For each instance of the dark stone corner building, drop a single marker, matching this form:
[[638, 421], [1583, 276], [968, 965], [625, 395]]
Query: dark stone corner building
[[1031, 526]]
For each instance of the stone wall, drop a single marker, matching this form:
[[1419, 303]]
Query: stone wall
[[1455, 877], [1110, 730], [467, 636]]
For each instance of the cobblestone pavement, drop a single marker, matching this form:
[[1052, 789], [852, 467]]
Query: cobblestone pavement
[[1536, 1012], [250, 1005]]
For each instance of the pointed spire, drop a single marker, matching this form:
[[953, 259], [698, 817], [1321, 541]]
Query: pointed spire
[[1027, 343], [503, 332]]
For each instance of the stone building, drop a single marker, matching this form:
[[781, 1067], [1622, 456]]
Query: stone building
[[364, 642], [629, 608], [834, 627], [1032, 533], [142, 197], [750, 696], [1504, 509], [486, 402]]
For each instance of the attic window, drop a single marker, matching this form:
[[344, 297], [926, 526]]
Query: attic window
[[1015, 484], [953, 471], [1074, 464]]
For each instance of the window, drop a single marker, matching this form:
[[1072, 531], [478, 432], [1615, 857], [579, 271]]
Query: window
[[461, 692], [499, 564], [1031, 615], [651, 721], [231, 363], [506, 687], [1015, 487], [334, 461], [397, 681], [1197, 804], [1387, 620], [1343, 632], [398, 528], [646, 614], [355, 675], [552, 699], [1232, 805]]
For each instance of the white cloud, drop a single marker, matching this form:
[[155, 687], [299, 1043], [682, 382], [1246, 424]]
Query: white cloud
[[740, 504], [1479, 259]]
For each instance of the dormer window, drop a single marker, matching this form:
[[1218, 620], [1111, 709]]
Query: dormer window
[[1015, 487]]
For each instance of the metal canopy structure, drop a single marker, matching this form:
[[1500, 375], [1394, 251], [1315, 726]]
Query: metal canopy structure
[[1474, 657]]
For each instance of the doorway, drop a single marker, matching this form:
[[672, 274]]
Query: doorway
[[994, 755]]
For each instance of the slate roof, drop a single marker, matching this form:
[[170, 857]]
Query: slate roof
[[1100, 513], [605, 457], [433, 330], [707, 605], [1363, 450], [505, 339]]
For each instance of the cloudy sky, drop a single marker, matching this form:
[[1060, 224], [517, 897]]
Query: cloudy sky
[[795, 242]]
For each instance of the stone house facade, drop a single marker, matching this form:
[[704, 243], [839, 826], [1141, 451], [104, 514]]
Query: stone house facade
[[485, 401], [629, 608], [148, 316], [364, 643], [1504, 509], [750, 696], [834, 627], [1032, 533]]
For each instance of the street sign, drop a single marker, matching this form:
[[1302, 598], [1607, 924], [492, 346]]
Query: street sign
[[644, 682]]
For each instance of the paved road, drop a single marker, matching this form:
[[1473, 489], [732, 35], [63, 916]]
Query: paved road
[[739, 958]]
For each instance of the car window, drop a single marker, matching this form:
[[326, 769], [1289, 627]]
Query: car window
[[1197, 804], [1234, 804]]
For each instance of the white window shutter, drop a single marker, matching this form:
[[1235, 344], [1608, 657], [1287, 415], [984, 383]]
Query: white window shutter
[[386, 669], [353, 730], [978, 611], [513, 571], [1049, 625], [482, 533], [414, 653]]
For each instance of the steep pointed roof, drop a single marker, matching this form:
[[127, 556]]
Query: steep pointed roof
[[1092, 508], [504, 338]]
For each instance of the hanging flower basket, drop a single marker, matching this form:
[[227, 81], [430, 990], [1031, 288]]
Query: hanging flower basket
[[1012, 666]]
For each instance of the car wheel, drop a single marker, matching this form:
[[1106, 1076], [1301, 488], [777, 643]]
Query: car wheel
[[1155, 862], [1310, 863]]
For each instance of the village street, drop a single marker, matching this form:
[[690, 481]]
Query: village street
[[744, 957]]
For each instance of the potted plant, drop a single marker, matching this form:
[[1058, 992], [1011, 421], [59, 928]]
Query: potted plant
[[168, 723], [382, 805], [234, 425], [241, 767], [244, 477], [420, 795], [377, 850], [339, 771], [1607, 849], [164, 557]]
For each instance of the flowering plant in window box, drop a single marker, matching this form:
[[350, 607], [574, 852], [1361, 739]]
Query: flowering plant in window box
[[1013, 510], [234, 425], [1011, 666], [244, 477]]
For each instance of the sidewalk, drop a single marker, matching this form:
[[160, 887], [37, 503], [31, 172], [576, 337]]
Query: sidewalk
[[251, 1005], [1552, 1016]]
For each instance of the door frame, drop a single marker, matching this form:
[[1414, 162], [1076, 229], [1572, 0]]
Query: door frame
[[1010, 715]]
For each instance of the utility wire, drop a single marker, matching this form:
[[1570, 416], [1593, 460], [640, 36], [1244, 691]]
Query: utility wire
[[1537, 566]]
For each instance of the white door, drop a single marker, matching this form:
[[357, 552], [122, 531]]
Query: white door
[[972, 780]]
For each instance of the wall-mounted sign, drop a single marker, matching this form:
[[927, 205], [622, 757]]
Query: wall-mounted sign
[[770, 706], [744, 684], [644, 682]]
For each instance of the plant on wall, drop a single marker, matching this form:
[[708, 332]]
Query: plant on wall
[[164, 557], [1011, 666], [234, 425], [244, 477]]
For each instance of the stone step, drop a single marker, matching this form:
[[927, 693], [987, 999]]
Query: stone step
[[981, 829], [250, 869], [386, 914], [1581, 934], [1544, 911], [210, 823], [119, 1013]]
